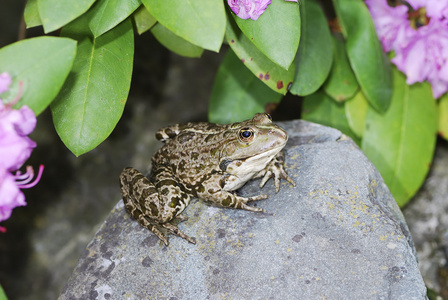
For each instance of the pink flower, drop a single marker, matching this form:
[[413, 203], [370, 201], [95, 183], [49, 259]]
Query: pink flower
[[10, 194], [426, 57], [246, 9], [253, 9], [434, 8], [15, 149], [421, 52], [391, 23], [15, 145]]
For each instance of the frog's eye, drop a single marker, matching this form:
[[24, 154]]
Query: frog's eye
[[268, 116], [246, 134]]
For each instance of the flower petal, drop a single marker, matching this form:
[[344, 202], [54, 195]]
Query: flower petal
[[246, 9], [22, 121], [14, 150], [10, 194], [391, 23], [430, 56]]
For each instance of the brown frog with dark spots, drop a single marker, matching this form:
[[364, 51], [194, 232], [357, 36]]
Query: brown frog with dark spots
[[207, 161]]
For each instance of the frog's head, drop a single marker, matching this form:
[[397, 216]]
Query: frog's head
[[251, 145]]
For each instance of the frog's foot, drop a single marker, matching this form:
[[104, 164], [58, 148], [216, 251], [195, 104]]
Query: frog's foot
[[255, 198], [241, 202], [276, 169], [173, 229], [154, 226], [151, 226]]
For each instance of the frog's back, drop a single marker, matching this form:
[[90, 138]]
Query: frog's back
[[169, 132]]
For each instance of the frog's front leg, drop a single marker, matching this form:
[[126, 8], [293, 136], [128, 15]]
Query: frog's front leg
[[154, 206], [212, 191], [275, 168]]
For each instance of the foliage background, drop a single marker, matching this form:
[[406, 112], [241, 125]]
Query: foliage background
[[345, 77], [400, 140]]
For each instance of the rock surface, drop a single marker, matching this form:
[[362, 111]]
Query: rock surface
[[427, 218], [337, 235]]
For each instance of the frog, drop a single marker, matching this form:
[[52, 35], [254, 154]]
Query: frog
[[206, 161]]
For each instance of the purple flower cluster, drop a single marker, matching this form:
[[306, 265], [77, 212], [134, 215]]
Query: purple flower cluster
[[15, 149], [252, 9], [419, 38]]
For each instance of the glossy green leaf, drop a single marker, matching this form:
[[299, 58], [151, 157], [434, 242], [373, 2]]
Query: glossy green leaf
[[175, 43], [56, 13], [42, 65], [93, 97], [364, 51], [237, 94], [401, 142], [341, 83], [315, 54], [106, 14], [355, 111], [200, 22], [2, 294], [274, 76], [320, 108], [443, 116], [276, 32], [143, 19], [31, 14]]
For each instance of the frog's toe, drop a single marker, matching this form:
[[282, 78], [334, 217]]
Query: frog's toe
[[159, 234], [256, 198], [266, 177], [173, 229], [243, 202], [181, 218], [250, 208]]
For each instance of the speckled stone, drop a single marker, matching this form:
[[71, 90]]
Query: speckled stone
[[338, 235]]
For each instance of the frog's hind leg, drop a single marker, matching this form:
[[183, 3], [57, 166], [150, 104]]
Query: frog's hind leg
[[174, 199], [144, 222], [154, 206]]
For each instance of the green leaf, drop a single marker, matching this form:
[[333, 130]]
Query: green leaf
[[320, 108], [341, 84], [443, 116], [355, 110], [401, 142], [92, 100], [274, 76], [315, 55], [143, 19], [31, 14], [42, 65], [366, 56], [276, 32], [200, 22], [56, 13], [2, 294], [106, 14], [237, 94], [175, 43]]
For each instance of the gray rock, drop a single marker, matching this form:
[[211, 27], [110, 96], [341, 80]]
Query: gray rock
[[337, 235], [428, 221]]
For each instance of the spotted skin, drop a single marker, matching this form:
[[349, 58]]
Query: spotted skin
[[207, 161]]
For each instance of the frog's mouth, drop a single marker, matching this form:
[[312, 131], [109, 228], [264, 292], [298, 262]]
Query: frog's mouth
[[249, 165], [267, 155]]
